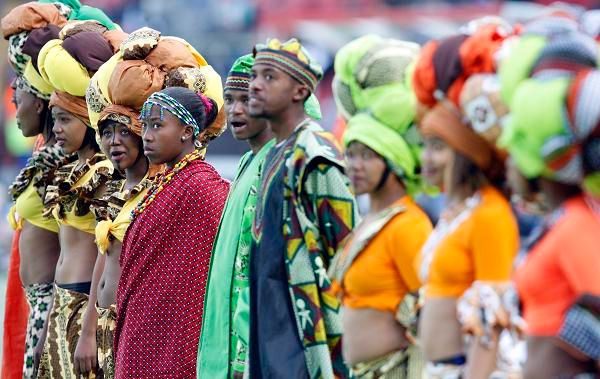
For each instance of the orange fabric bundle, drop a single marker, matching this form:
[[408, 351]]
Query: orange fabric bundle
[[72, 104]]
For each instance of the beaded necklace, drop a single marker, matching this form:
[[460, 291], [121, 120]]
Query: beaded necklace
[[161, 181]]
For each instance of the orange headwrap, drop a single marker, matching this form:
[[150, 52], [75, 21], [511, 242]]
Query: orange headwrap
[[72, 104], [443, 121]]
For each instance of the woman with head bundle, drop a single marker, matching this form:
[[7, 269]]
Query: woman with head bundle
[[67, 64], [382, 162], [38, 238], [166, 250], [115, 97], [476, 239], [553, 140]]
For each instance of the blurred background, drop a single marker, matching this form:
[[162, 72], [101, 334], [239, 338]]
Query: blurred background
[[222, 30]]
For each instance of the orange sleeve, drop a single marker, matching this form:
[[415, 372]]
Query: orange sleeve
[[404, 241], [495, 242], [580, 261]]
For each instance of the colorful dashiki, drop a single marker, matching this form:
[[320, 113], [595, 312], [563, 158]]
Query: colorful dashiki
[[306, 210], [228, 286], [165, 259]]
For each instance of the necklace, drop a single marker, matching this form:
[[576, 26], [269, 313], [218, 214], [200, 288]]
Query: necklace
[[161, 181]]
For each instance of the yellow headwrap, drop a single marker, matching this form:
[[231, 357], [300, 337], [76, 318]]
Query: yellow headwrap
[[59, 69]]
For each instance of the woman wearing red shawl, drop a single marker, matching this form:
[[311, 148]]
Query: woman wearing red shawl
[[166, 250]]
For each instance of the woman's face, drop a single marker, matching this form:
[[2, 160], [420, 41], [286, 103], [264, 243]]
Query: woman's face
[[120, 145], [29, 110], [435, 160], [365, 168], [68, 129], [164, 139]]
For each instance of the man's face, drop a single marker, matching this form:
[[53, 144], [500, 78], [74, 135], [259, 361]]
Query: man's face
[[271, 91], [239, 121]]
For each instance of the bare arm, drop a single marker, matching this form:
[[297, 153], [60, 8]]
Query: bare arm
[[86, 353]]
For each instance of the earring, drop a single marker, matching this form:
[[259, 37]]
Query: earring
[[183, 139]]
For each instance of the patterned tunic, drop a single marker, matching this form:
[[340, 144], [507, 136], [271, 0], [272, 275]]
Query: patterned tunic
[[164, 260], [306, 210]]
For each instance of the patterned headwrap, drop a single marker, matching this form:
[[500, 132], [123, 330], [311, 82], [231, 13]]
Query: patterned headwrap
[[584, 120], [444, 66], [24, 85], [30, 80], [21, 20], [239, 75], [141, 66], [207, 81], [166, 102], [292, 58], [239, 79]]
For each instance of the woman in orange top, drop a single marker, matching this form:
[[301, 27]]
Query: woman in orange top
[[563, 263], [477, 237], [383, 165]]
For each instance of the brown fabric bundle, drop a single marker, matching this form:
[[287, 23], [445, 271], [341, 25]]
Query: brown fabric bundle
[[31, 16], [72, 104], [90, 49], [115, 38], [123, 115], [132, 82], [74, 27], [37, 39], [170, 54]]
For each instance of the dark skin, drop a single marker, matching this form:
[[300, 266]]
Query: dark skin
[[370, 333], [245, 128], [39, 248], [30, 111], [166, 141], [123, 147], [278, 98], [78, 251], [547, 356]]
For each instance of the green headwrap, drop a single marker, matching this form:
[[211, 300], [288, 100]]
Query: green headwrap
[[374, 73], [239, 79], [399, 152], [517, 65], [537, 115]]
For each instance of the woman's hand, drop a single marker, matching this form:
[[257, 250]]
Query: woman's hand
[[86, 354]]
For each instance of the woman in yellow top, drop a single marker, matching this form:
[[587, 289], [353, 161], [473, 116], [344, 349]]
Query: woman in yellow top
[[120, 130], [383, 164], [76, 189], [38, 239], [476, 239]]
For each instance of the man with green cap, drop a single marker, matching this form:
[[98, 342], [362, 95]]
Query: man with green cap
[[304, 212], [225, 321]]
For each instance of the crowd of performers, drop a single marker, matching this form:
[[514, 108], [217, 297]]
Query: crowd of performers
[[138, 260]]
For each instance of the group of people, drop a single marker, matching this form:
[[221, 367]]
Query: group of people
[[138, 260]]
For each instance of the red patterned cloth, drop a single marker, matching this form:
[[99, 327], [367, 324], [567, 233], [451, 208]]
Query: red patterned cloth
[[15, 318], [165, 261]]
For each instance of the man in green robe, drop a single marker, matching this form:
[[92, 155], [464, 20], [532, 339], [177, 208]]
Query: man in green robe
[[223, 343]]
